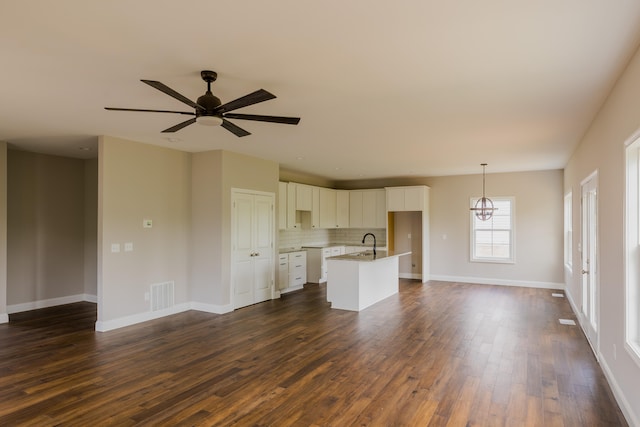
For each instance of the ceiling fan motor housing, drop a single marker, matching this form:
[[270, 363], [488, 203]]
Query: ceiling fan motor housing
[[209, 102]]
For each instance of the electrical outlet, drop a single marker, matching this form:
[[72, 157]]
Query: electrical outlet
[[128, 247], [147, 223]]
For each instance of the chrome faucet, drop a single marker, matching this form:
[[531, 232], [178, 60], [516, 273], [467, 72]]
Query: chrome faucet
[[374, 242]]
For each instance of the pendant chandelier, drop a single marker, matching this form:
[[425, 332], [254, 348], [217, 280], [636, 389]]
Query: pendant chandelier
[[483, 208]]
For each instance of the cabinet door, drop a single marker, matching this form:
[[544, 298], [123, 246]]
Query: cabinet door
[[381, 209], [395, 199], [369, 212], [283, 271], [342, 208], [327, 208], [413, 199], [282, 205], [315, 207], [356, 209], [303, 197], [291, 205]]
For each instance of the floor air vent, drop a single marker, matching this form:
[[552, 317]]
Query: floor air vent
[[567, 322], [161, 296]]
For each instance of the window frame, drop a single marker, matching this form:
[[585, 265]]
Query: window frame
[[632, 248], [568, 231], [512, 232]]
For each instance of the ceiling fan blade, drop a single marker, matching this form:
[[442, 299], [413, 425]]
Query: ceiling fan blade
[[270, 119], [148, 111], [180, 126], [236, 130], [260, 95], [166, 89]]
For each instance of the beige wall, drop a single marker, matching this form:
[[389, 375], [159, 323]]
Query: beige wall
[[91, 227], [45, 234], [3, 233], [602, 149], [137, 182], [214, 174], [206, 230], [538, 227], [538, 230]]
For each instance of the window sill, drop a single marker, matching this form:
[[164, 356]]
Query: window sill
[[494, 260]]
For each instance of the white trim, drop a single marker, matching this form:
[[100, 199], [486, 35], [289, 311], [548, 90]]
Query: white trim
[[121, 322], [512, 233], [417, 276], [4, 318], [625, 407], [52, 302], [211, 308], [287, 290], [499, 282]]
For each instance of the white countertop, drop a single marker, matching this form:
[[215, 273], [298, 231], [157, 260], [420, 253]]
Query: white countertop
[[367, 256]]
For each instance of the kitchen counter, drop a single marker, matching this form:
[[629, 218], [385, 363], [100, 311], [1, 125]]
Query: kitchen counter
[[368, 256], [356, 281]]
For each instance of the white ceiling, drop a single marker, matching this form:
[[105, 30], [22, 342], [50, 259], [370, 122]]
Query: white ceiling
[[384, 89]]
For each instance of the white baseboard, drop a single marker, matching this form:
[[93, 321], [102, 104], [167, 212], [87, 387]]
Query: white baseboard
[[212, 308], [625, 407], [500, 282], [121, 322], [4, 318], [417, 276], [52, 302], [628, 412]]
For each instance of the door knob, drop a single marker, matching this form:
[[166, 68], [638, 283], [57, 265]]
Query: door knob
[[585, 271]]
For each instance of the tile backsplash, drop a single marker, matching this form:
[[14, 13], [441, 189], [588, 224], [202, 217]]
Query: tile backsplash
[[294, 238]]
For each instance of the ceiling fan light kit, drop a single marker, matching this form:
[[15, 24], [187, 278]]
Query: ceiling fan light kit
[[483, 208], [209, 110], [209, 120]]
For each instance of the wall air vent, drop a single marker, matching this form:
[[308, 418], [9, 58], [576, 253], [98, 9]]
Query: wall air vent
[[162, 295]]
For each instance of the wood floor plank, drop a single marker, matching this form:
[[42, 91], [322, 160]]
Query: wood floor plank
[[436, 354]]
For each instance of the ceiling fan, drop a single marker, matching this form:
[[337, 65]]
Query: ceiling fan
[[210, 111]]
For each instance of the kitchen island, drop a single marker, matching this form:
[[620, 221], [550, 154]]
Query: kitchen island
[[356, 281]]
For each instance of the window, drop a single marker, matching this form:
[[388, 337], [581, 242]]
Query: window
[[492, 240], [568, 232], [632, 250]]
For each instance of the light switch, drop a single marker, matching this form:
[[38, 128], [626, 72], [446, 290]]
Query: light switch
[[147, 223], [128, 247], [115, 247]]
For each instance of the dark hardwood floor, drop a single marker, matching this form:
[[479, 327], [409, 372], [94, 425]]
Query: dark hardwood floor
[[434, 355]]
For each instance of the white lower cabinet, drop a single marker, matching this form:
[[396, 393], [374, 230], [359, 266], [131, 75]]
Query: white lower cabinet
[[297, 269], [283, 271], [317, 262]]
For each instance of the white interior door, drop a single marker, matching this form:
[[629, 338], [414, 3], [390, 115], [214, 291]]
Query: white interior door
[[589, 255], [252, 248], [263, 247]]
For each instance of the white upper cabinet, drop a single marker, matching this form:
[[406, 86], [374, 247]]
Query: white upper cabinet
[[412, 198], [367, 208], [342, 208], [304, 199], [327, 199], [315, 207], [282, 205], [291, 205]]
